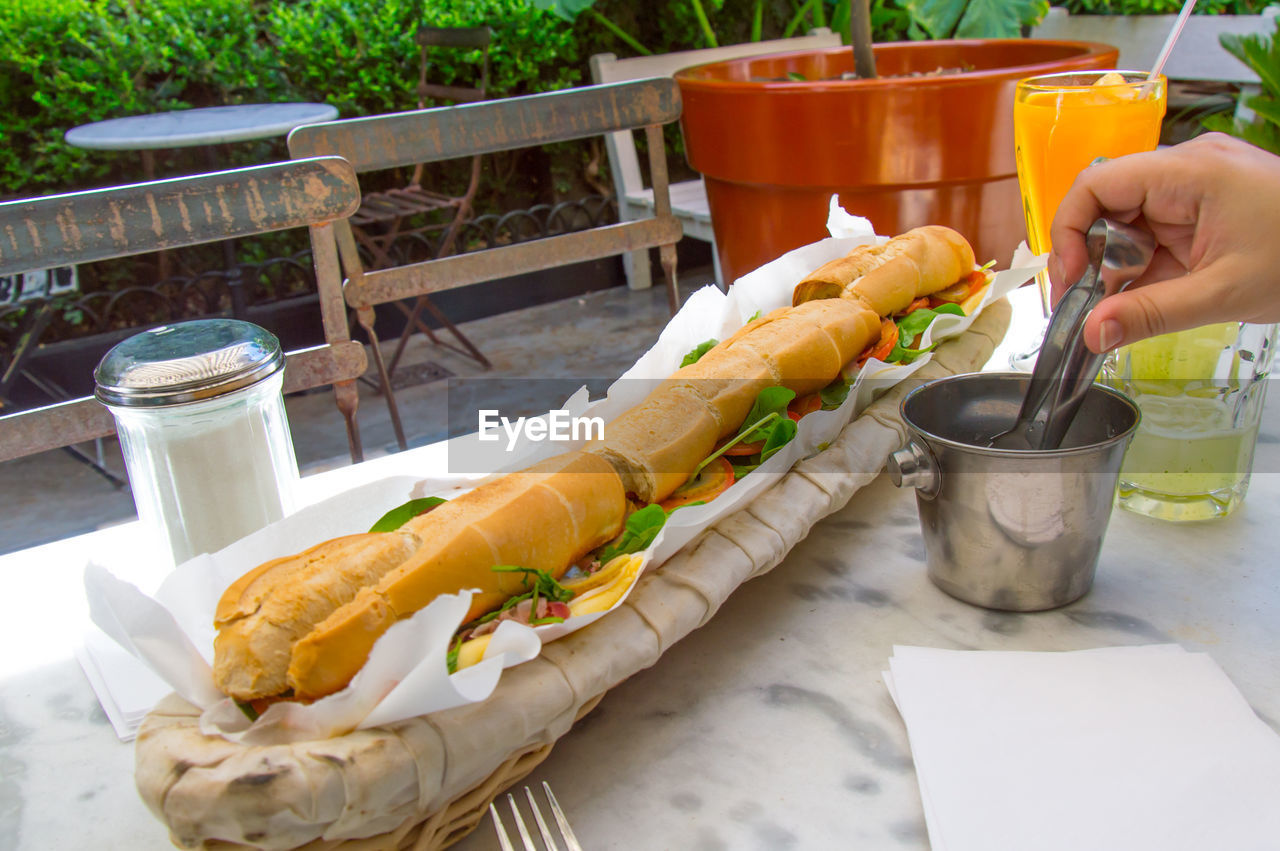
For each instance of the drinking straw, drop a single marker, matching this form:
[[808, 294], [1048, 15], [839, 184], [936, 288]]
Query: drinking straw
[[1181, 22]]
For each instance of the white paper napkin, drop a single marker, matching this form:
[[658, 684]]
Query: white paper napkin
[[1115, 748], [126, 688]]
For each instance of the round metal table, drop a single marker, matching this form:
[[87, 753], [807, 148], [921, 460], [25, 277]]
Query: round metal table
[[187, 128]]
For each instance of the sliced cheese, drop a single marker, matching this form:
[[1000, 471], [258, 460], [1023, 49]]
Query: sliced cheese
[[603, 597], [471, 652]]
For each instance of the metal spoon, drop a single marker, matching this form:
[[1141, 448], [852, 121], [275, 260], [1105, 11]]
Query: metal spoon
[[1118, 254]]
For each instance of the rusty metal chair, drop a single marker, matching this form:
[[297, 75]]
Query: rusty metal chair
[[416, 213], [448, 133], [100, 224], [385, 216]]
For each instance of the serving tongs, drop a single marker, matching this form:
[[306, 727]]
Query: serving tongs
[[1065, 368]]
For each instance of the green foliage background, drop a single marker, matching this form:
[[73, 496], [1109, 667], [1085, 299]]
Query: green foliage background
[[69, 62], [1262, 54]]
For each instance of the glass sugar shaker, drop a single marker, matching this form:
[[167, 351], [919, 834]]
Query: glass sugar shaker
[[202, 427]]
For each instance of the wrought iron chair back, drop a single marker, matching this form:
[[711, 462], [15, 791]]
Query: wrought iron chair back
[[100, 224], [433, 135], [385, 216], [414, 215], [452, 38]]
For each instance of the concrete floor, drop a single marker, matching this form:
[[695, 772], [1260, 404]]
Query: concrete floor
[[539, 354]]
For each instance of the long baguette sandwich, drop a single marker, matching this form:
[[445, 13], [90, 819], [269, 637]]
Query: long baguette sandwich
[[301, 627]]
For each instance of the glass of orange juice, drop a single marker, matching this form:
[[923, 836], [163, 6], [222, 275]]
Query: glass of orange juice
[[1064, 122]]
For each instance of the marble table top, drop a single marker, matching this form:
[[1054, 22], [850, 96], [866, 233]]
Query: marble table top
[[189, 127], [770, 727]]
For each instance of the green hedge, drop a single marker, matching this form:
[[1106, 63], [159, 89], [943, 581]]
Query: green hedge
[[662, 26], [69, 62]]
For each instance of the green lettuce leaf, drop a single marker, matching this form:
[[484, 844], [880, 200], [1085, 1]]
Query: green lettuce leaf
[[544, 584], [451, 658], [569, 10], [402, 514], [834, 394], [638, 533], [914, 324], [698, 351], [781, 432], [770, 400], [765, 423]]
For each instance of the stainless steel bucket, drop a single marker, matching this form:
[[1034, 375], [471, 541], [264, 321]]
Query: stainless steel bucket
[[1018, 530]]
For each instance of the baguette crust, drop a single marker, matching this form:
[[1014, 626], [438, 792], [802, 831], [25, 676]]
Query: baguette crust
[[728, 381], [830, 279], [809, 344], [265, 611], [655, 445], [888, 277], [542, 518], [358, 586]]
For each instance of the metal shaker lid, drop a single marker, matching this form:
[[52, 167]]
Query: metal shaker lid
[[186, 362]]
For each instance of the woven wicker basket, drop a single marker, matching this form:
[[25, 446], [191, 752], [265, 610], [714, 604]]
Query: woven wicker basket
[[424, 783], [450, 824]]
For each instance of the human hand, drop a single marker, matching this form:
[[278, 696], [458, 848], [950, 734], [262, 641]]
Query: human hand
[[1213, 205]]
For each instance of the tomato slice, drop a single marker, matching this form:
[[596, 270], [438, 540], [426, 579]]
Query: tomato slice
[[881, 349], [804, 405], [745, 448], [711, 481], [923, 301]]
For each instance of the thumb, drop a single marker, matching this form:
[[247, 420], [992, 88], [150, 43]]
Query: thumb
[[1176, 304]]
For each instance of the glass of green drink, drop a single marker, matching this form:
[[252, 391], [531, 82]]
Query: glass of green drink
[[1201, 394]]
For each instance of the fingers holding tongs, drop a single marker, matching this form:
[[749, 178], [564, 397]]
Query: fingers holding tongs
[[1065, 368]]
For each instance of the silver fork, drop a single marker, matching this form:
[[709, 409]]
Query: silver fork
[[548, 841]]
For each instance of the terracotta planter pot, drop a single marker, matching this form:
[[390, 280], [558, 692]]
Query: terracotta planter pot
[[902, 151]]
